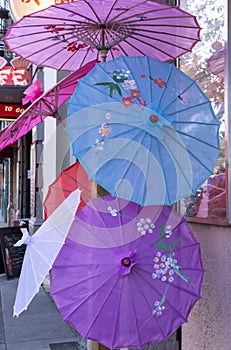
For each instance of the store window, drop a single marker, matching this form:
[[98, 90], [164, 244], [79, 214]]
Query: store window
[[205, 64]]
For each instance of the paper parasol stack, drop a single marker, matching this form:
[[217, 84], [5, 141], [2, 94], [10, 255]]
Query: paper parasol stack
[[147, 134]]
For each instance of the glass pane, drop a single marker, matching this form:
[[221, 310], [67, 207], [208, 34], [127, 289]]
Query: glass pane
[[205, 64]]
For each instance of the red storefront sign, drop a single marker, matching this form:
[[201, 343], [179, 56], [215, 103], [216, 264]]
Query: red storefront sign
[[10, 111], [18, 76], [20, 8]]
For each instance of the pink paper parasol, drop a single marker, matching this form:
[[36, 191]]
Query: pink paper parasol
[[65, 36], [216, 63]]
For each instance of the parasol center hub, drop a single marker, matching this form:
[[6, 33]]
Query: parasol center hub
[[153, 118], [126, 262], [103, 53]]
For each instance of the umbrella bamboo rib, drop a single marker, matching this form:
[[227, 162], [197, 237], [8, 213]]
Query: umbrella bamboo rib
[[27, 288], [44, 257], [83, 59], [136, 151], [42, 40], [90, 294], [143, 13], [67, 16], [142, 289], [93, 10], [42, 62], [100, 238], [162, 163], [122, 133], [186, 290], [199, 140], [172, 285], [33, 268], [143, 271], [139, 24], [47, 58], [110, 10], [148, 44], [137, 35], [84, 280], [116, 317], [122, 229], [175, 122], [169, 74], [75, 181], [100, 307], [189, 107], [135, 320], [190, 152]]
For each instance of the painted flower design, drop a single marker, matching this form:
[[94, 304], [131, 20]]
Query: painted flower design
[[50, 26], [120, 75], [104, 130], [164, 267], [142, 104], [159, 308], [127, 101], [72, 47], [129, 84], [81, 46], [144, 226], [113, 212], [160, 82], [168, 231], [54, 28], [75, 46], [108, 115], [135, 93]]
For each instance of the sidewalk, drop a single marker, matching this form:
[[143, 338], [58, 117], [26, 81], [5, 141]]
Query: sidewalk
[[39, 328]]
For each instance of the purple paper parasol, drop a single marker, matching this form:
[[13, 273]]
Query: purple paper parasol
[[127, 275]]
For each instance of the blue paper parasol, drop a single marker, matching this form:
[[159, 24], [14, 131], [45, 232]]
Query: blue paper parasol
[[143, 130]]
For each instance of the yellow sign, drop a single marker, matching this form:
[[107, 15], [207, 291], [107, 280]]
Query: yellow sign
[[20, 8]]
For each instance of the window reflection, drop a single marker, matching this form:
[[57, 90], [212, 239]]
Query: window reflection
[[205, 64]]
